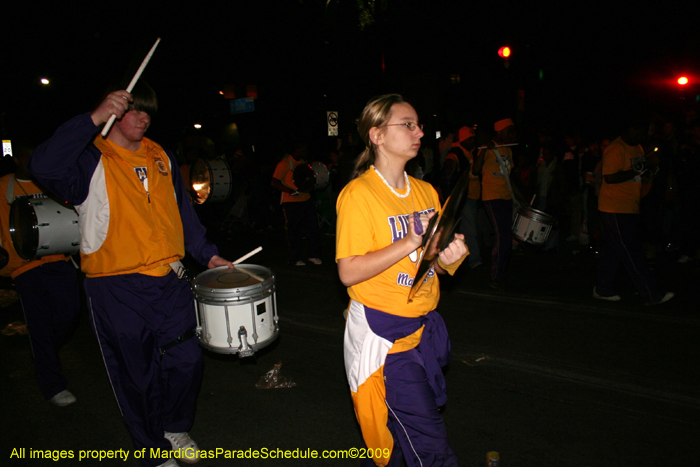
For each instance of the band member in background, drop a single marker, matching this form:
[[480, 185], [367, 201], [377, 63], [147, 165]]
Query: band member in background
[[459, 160], [624, 165], [135, 222], [394, 350], [299, 209], [47, 287], [497, 198]]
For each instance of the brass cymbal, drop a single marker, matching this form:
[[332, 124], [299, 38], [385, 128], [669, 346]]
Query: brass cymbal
[[440, 232]]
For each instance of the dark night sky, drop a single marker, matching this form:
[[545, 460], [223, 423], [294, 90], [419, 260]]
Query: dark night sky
[[310, 56]]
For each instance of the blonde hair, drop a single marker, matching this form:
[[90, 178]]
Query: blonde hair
[[376, 113]]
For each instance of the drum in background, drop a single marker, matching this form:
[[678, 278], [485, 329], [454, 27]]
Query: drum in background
[[42, 226], [532, 226], [304, 178], [210, 180], [236, 309], [321, 175]]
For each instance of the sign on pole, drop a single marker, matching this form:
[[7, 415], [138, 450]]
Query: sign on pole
[[239, 106], [6, 148], [332, 118]]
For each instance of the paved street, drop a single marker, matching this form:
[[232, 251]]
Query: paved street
[[542, 373]]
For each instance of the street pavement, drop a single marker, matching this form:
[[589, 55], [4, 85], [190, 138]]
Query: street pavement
[[541, 373]]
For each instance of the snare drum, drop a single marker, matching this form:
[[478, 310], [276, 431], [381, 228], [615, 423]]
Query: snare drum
[[321, 175], [211, 180], [532, 226], [236, 309], [42, 226]]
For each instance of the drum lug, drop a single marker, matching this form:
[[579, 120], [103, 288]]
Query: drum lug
[[244, 350]]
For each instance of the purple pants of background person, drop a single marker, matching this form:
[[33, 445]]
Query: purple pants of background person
[[50, 299], [622, 244], [500, 212], [133, 316], [302, 217]]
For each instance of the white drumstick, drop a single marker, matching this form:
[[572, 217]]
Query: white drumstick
[[248, 255], [130, 88], [499, 146], [533, 199], [258, 278]]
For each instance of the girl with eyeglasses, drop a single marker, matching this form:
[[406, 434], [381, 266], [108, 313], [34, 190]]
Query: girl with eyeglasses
[[394, 349]]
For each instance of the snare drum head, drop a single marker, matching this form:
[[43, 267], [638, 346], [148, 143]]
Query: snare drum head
[[241, 277], [24, 229]]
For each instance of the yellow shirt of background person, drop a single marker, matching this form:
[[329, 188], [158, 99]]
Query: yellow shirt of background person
[[284, 172], [474, 190], [493, 183], [377, 221], [622, 198]]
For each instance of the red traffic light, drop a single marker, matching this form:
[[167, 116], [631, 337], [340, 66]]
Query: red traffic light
[[683, 80], [504, 52]]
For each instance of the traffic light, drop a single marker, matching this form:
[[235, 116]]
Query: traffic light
[[683, 80], [504, 53]]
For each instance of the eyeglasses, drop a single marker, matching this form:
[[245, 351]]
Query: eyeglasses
[[410, 125]]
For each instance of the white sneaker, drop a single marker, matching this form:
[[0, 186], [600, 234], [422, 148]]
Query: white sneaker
[[300, 263], [685, 259], [316, 261], [169, 463], [189, 451], [63, 398], [668, 296], [611, 298]]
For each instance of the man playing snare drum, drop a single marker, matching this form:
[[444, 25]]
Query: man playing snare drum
[[136, 223]]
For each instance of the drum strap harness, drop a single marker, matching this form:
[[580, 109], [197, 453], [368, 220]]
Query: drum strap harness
[[181, 271], [505, 166], [178, 340]]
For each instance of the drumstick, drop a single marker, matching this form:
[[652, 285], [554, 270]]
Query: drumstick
[[248, 255], [129, 88], [251, 274], [533, 199], [499, 146]]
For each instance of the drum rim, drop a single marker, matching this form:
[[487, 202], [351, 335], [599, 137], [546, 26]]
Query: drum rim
[[33, 232], [539, 215], [217, 293]]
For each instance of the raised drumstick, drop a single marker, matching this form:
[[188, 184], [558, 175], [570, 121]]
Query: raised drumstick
[[130, 88], [248, 255]]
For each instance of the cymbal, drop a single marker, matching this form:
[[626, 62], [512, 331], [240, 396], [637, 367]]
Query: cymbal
[[440, 232]]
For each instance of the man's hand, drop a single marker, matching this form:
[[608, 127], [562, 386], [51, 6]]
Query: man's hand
[[217, 261], [116, 103]]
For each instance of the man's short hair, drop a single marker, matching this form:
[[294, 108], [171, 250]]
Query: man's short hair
[[144, 96]]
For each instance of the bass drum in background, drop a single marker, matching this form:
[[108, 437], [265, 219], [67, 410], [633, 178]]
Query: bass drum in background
[[321, 175], [42, 226], [303, 178], [210, 181]]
